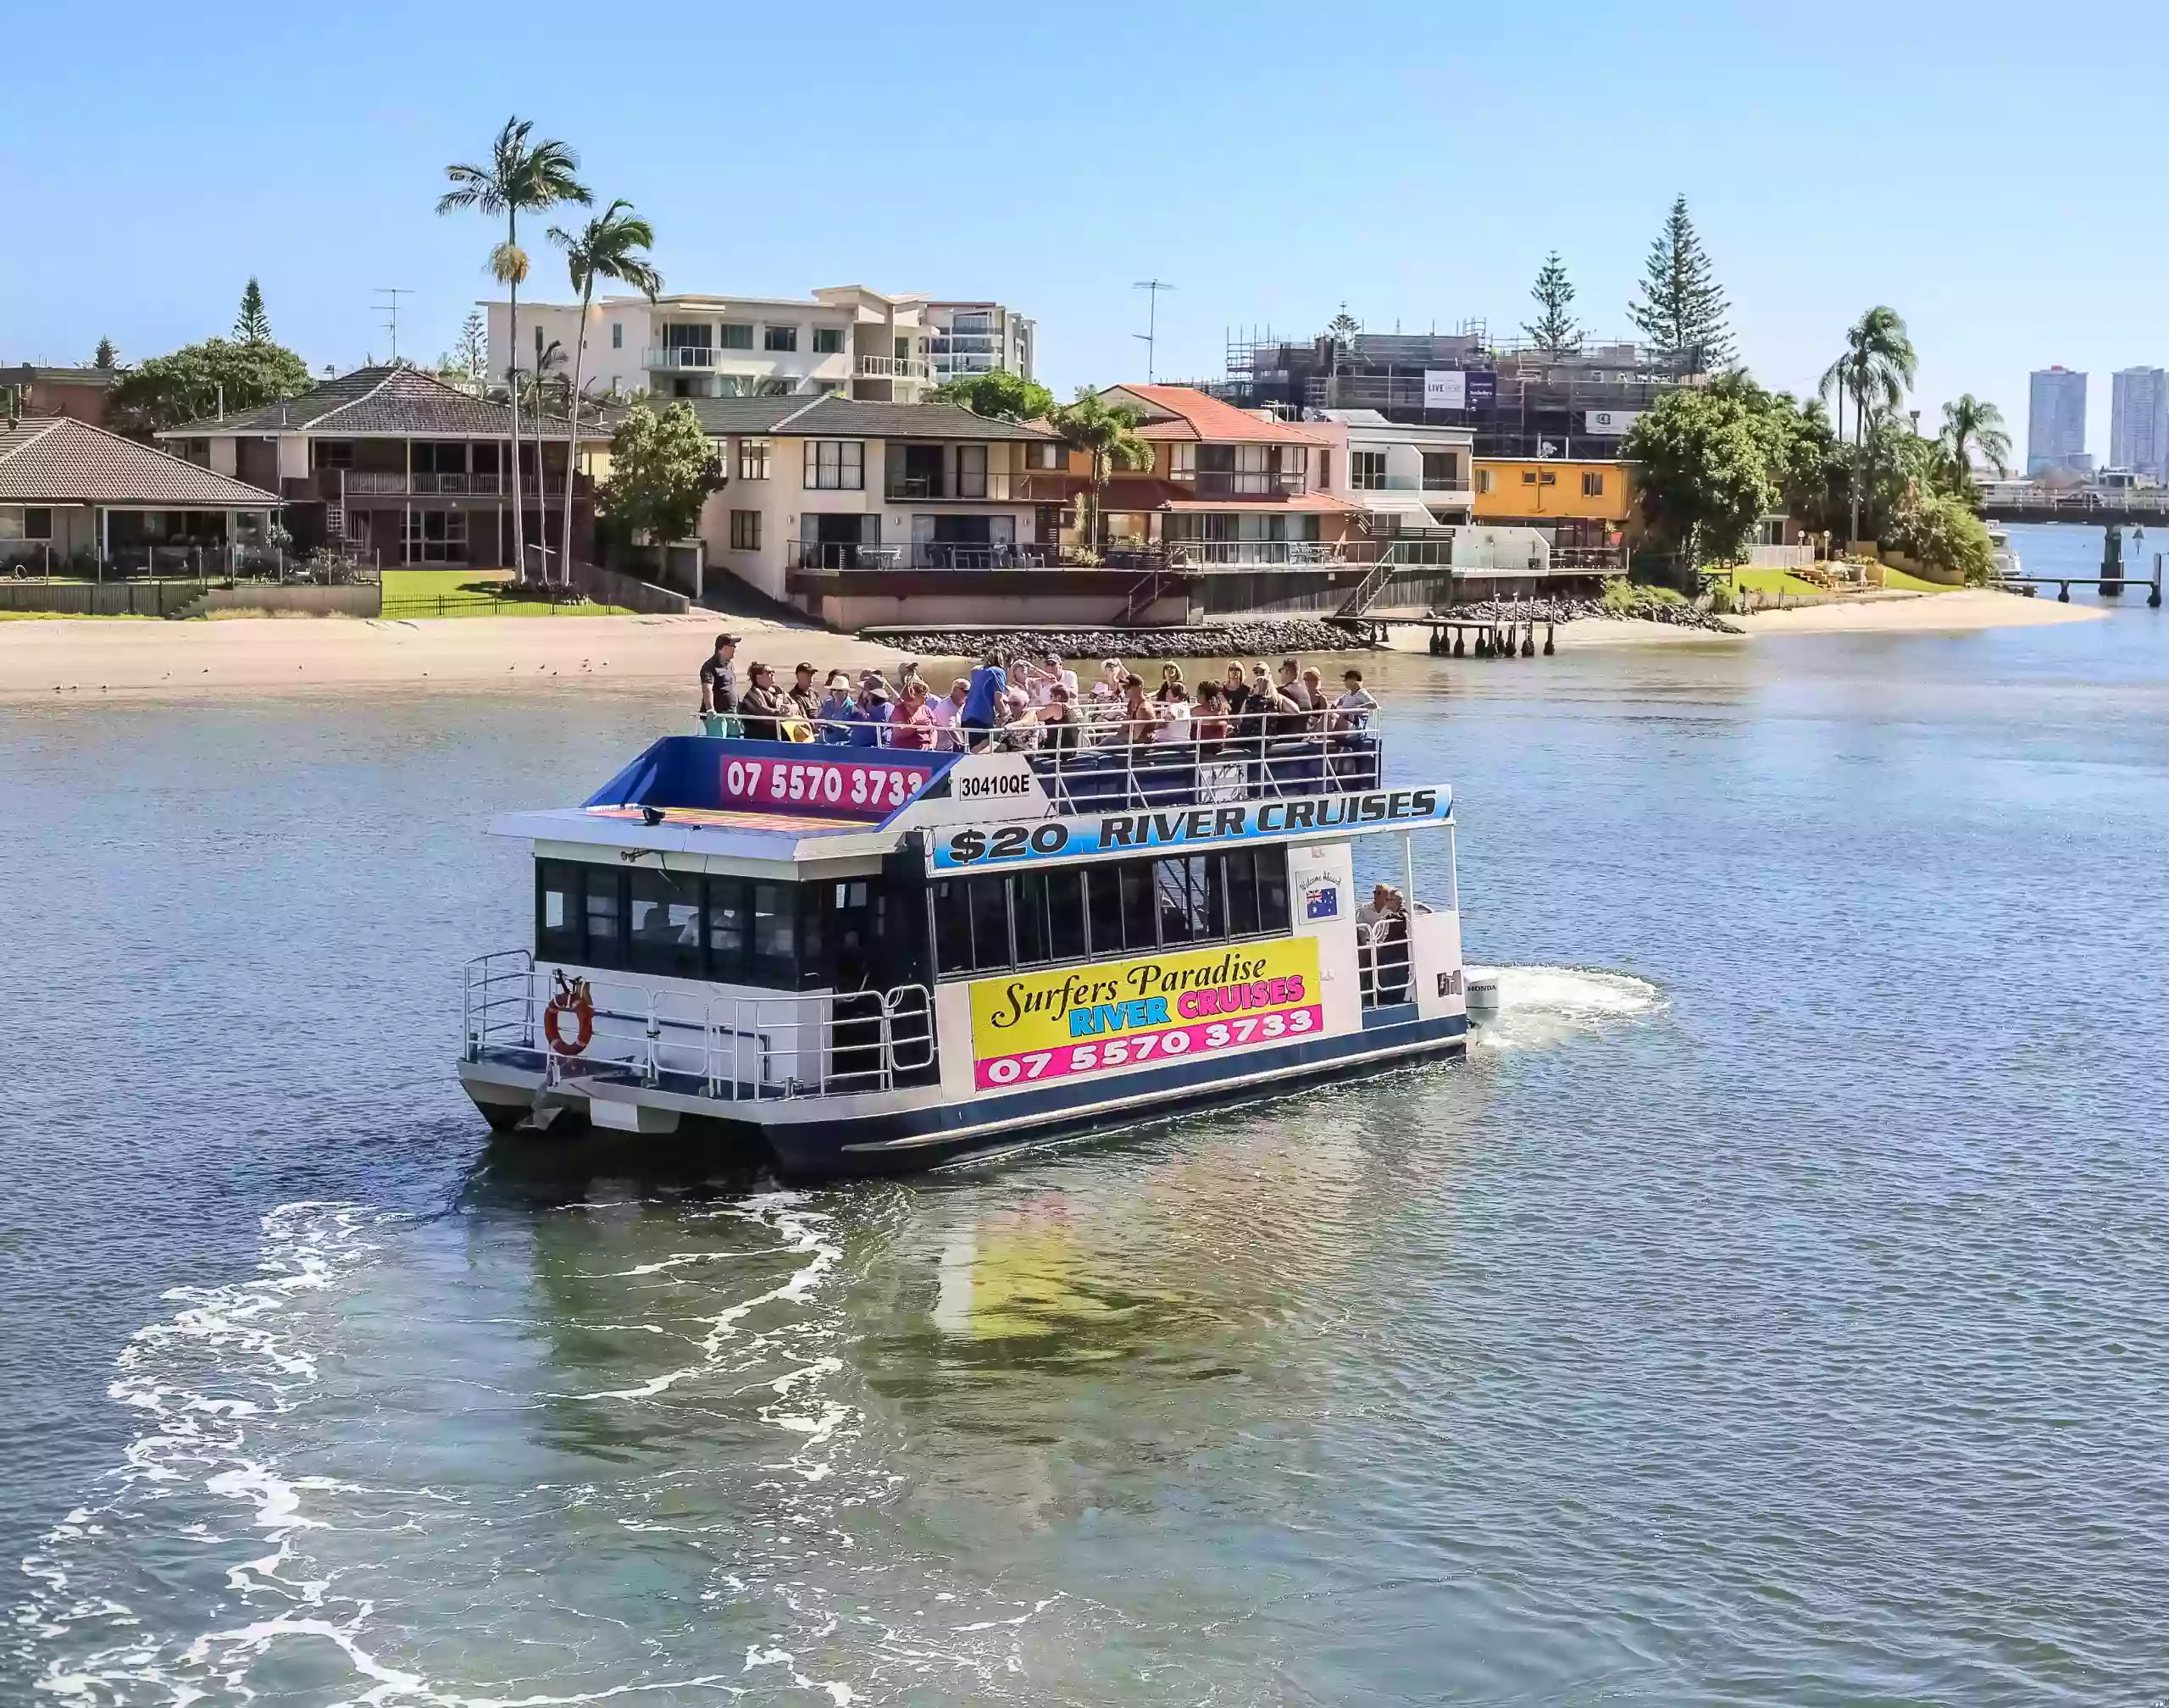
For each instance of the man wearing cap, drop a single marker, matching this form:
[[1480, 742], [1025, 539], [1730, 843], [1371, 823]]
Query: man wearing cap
[[720, 678], [805, 697]]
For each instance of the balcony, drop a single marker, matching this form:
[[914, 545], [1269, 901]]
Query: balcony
[[893, 367], [991, 486], [701, 357], [1249, 483], [1252, 554], [925, 554], [393, 483]]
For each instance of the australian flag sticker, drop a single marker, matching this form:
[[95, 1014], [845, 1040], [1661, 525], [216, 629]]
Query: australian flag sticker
[[1321, 901]]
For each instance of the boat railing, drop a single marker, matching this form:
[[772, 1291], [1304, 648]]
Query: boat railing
[[727, 1048], [1384, 963], [1092, 764]]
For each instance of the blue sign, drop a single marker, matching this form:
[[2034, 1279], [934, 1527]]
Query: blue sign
[[1321, 901], [974, 848], [1482, 388]]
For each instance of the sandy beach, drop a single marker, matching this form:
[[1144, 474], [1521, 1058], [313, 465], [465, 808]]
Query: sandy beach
[[255, 656], [263, 655], [1962, 611]]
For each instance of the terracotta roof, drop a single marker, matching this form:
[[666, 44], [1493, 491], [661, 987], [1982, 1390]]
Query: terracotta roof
[[397, 402], [835, 416], [1179, 412], [58, 460]]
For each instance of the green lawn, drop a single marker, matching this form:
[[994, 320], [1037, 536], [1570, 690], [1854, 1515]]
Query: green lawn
[[418, 593], [1913, 584]]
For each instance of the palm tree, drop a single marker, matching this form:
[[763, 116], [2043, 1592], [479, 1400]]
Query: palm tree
[[1875, 372], [519, 176], [1109, 437], [608, 247], [1970, 424]]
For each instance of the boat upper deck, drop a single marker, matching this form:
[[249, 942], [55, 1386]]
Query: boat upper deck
[[785, 800]]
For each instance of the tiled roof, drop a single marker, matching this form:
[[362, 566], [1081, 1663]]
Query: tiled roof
[[835, 416], [398, 403], [57, 460], [1179, 412]]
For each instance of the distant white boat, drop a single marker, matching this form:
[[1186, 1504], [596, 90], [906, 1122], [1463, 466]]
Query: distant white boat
[[2003, 556]]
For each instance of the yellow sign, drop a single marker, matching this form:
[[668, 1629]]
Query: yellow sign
[[1040, 1026]]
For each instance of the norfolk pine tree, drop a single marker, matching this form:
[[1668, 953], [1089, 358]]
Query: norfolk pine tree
[[1681, 308], [1554, 330], [251, 325]]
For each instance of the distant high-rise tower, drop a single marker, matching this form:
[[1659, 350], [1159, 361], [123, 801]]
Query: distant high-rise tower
[[2056, 422], [2138, 421]]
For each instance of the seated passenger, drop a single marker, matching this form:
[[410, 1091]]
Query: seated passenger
[[1059, 721], [910, 724], [948, 733], [835, 710], [761, 706]]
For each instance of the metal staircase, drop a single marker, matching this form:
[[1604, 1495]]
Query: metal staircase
[[1366, 591]]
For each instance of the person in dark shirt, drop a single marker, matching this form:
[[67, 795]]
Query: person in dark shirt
[[1059, 722], [720, 678], [805, 697], [762, 706]]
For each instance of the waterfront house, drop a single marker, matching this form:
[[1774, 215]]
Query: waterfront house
[[847, 508], [1227, 486], [847, 339], [76, 495], [1404, 477], [397, 466], [1584, 506]]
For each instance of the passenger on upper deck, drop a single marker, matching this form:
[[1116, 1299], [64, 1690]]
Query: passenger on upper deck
[[835, 710], [982, 709], [762, 706], [720, 678], [910, 724]]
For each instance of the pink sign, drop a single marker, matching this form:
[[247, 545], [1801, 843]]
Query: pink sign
[[1002, 1072], [839, 787]]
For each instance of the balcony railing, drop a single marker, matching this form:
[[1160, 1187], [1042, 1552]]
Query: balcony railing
[[396, 483], [925, 555], [1409, 483], [1250, 483], [702, 356], [992, 486], [893, 367]]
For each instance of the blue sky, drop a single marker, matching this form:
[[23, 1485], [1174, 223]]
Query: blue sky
[[1978, 168]]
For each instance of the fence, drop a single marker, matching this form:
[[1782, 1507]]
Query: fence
[[106, 599]]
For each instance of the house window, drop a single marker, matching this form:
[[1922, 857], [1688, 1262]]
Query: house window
[[1182, 463], [828, 340], [1593, 484], [437, 536], [1529, 477], [617, 335], [970, 471], [1367, 470], [735, 335], [1042, 454], [752, 459], [1547, 479], [745, 530], [38, 523], [780, 338], [1438, 471], [332, 454], [835, 465], [1483, 479]]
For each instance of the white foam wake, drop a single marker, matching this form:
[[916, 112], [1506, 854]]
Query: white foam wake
[[1545, 1004]]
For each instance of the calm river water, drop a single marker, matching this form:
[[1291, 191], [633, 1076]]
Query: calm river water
[[1776, 1310]]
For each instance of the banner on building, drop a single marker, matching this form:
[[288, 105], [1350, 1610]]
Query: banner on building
[[1445, 388], [1611, 423], [1035, 1027]]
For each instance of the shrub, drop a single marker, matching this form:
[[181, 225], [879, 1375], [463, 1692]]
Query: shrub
[[1942, 531]]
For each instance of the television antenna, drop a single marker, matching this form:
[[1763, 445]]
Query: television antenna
[[1154, 287], [388, 306]]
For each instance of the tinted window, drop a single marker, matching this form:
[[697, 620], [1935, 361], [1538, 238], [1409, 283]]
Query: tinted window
[[952, 927], [1273, 890], [989, 910], [1066, 914], [729, 927], [557, 911], [606, 924], [1027, 900], [1139, 906], [665, 922]]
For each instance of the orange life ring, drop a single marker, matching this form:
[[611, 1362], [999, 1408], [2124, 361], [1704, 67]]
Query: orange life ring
[[573, 999]]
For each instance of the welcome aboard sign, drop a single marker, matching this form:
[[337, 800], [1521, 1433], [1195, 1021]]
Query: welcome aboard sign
[[1040, 1027], [973, 847]]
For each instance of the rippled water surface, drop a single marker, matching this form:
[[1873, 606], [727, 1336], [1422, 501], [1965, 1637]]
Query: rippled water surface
[[1774, 1306]]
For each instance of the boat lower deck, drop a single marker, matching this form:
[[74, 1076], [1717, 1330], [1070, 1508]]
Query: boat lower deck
[[904, 1129]]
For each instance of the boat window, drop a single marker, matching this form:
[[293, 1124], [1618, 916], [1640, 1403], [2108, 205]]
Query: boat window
[[606, 920], [1109, 908], [556, 911], [665, 918], [989, 910], [775, 935], [729, 926]]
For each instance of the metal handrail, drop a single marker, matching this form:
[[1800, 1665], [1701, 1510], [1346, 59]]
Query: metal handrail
[[735, 1049], [1183, 771]]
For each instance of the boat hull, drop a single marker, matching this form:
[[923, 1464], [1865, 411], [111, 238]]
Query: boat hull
[[808, 1142]]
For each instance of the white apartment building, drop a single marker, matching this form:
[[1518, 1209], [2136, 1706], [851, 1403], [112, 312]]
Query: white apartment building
[[845, 338], [968, 338], [1404, 476], [2138, 422]]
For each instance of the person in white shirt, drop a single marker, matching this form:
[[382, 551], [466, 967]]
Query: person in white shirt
[[1109, 686], [1351, 712], [1044, 681], [947, 737]]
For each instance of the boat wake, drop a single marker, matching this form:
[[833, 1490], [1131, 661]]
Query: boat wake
[[1541, 1006], [609, 1450]]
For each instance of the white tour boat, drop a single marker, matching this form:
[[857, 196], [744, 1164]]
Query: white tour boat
[[833, 960]]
